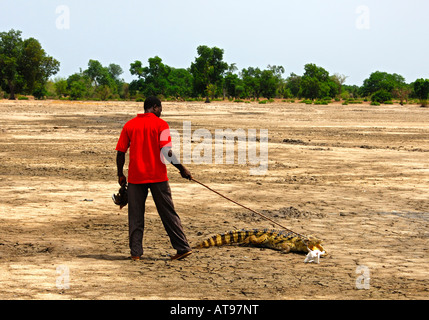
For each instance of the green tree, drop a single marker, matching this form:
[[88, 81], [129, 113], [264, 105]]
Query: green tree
[[24, 64], [156, 77], [421, 90], [79, 86], [208, 70], [136, 69], [103, 92], [381, 96], [60, 85], [293, 83], [36, 67], [310, 88], [29, 63], [115, 71], [124, 91], [104, 81], [10, 51], [381, 81], [77, 90], [95, 72], [313, 71], [136, 86], [316, 83], [153, 79], [232, 81], [239, 91], [101, 76], [40, 92], [252, 81], [179, 83], [351, 90], [271, 81]]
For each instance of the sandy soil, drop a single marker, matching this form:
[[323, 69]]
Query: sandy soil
[[356, 176]]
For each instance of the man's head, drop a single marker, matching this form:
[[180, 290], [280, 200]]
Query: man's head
[[153, 105]]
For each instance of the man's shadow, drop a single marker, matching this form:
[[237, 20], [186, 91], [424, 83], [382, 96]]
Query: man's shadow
[[108, 257], [103, 257]]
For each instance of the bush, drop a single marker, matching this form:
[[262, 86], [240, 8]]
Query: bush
[[421, 91], [381, 96], [40, 93], [352, 101], [345, 95], [77, 90], [321, 102], [103, 92]]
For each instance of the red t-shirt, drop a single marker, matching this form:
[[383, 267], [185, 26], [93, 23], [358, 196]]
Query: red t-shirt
[[145, 136]]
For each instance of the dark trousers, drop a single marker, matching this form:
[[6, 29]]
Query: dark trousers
[[161, 194]]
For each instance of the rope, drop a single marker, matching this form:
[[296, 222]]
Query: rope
[[258, 213]]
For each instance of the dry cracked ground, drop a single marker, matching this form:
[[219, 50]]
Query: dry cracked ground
[[356, 176]]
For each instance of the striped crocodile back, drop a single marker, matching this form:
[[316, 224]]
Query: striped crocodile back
[[239, 236]]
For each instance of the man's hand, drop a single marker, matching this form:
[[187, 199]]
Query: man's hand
[[122, 180], [171, 157], [185, 173]]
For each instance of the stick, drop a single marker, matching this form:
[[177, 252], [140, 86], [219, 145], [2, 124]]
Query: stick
[[258, 213]]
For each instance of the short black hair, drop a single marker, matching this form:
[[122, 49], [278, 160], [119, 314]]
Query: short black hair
[[150, 102]]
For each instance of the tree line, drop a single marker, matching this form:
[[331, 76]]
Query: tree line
[[26, 69]]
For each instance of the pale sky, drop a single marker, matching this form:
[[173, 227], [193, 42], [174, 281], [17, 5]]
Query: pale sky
[[350, 37]]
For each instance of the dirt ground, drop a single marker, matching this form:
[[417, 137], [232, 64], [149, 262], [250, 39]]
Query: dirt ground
[[356, 176]]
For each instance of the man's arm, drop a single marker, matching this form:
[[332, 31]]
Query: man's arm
[[120, 162], [169, 154]]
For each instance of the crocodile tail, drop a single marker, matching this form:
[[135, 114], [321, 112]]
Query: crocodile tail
[[235, 236]]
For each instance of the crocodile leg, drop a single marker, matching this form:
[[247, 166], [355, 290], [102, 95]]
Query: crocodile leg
[[265, 241], [283, 247], [257, 240]]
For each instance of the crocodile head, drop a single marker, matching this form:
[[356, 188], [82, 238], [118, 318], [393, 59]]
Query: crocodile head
[[314, 244]]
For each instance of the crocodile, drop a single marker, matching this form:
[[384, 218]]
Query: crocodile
[[282, 241]]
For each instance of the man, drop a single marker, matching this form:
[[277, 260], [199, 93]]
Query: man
[[148, 138]]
